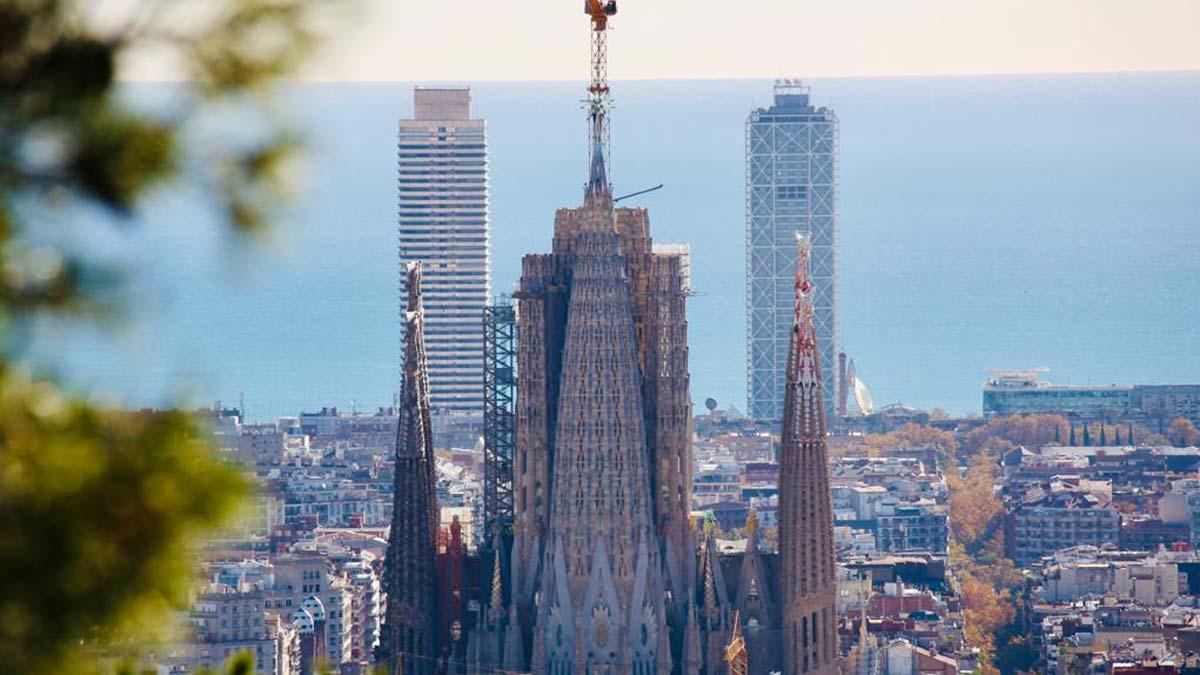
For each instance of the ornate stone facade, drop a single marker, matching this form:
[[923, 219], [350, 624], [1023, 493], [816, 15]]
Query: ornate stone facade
[[602, 469]]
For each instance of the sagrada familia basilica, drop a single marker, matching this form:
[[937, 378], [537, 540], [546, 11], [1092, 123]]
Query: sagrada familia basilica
[[604, 571]]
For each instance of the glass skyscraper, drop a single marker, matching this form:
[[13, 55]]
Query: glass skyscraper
[[791, 186], [443, 216]]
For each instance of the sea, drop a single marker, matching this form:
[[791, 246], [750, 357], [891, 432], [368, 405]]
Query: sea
[[991, 222]]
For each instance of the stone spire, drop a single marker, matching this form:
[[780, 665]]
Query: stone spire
[[711, 598], [753, 599], [605, 550], [602, 598], [598, 190], [410, 625], [807, 580], [602, 468]]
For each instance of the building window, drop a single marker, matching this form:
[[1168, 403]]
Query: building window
[[791, 192]]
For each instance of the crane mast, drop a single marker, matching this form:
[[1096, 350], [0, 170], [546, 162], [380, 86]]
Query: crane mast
[[598, 100]]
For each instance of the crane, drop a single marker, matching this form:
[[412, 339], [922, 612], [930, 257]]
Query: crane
[[598, 101]]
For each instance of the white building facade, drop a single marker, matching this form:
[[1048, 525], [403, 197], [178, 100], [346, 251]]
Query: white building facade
[[444, 223]]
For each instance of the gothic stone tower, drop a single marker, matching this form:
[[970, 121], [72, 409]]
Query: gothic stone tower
[[805, 510], [410, 625], [602, 475]]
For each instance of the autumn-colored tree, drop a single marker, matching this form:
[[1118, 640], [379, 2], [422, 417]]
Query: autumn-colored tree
[[987, 579], [1027, 430], [916, 435], [1182, 432], [913, 436], [986, 611], [974, 506], [997, 446]]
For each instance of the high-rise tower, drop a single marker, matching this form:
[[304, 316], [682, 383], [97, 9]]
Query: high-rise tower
[[806, 557], [410, 626], [791, 186], [443, 214]]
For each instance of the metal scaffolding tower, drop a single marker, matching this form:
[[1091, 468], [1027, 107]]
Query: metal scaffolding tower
[[499, 415]]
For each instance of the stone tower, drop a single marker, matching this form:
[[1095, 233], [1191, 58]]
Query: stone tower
[[807, 580], [410, 625], [602, 471]]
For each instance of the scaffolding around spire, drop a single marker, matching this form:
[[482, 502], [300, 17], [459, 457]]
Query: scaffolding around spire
[[599, 101]]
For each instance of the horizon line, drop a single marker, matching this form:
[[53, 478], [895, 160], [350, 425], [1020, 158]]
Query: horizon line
[[748, 78]]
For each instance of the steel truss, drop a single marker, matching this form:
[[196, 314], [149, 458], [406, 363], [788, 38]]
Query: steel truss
[[499, 415]]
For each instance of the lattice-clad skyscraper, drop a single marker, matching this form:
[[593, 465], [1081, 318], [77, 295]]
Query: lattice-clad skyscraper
[[791, 186], [443, 214]]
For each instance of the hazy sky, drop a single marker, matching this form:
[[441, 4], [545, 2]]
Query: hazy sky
[[546, 39]]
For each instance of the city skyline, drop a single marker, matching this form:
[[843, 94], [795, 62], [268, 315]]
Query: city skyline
[[337, 253], [544, 495]]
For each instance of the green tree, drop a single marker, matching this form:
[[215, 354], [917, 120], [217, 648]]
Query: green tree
[[98, 505]]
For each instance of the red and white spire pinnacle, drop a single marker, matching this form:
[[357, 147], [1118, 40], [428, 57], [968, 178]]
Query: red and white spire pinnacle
[[806, 554], [804, 376]]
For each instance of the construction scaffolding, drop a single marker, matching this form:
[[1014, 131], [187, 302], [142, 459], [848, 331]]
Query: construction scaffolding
[[499, 415]]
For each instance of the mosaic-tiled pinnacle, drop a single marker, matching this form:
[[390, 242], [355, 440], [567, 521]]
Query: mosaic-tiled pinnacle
[[805, 509]]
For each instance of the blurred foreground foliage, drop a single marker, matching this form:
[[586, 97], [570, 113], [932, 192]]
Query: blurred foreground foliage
[[98, 506], [239, 664], [96, 512]]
